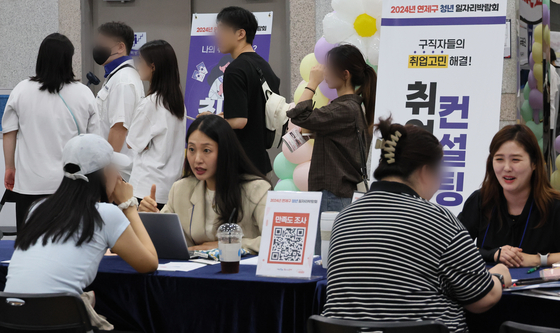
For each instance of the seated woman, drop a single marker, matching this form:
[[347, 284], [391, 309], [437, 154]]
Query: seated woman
[[515, 216], [220, 183], [395, 256], [65, 236]]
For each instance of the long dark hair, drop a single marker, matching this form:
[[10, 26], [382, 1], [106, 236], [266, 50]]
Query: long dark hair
[[54, 63], [491, 190], [349, 58], [415, 148], [234, 167], [69, 213], [166, 80]]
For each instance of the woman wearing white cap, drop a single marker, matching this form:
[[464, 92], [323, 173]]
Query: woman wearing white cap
[[66, 235]]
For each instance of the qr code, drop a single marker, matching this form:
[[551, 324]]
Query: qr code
[[287, 244]]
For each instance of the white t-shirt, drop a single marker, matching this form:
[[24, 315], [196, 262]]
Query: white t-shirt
[[64, 267], [155, 128], [117, 99], [44, 126]]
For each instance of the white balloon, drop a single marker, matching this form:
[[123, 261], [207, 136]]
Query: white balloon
[[373, 8], [373, 49], [336, 29], [348, 9], [359, 42]]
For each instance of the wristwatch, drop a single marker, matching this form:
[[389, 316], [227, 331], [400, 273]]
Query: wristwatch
[[501, 278], [544, 259]]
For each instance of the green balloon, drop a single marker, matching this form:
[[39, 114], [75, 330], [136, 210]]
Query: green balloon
[[526, 111], [536, 129], [283, 168], [526, 91], [546, 2], [286, 185]]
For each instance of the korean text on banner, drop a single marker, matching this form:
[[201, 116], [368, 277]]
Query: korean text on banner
[[288, 234], [440, 67], [206, 66]]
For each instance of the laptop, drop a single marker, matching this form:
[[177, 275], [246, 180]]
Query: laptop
[[167, 234]]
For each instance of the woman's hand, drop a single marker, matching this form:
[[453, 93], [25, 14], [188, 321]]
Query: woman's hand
[[316, 76], [204, 246], [509, 256], [9, 179], [149, 203], [530, 260], [123, 191]]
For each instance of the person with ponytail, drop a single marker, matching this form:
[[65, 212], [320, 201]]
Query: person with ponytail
[[336, 162], [396, 256]]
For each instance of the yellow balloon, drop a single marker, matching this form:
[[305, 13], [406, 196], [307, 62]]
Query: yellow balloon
[[538, 74], [365, 25], [558, 162], [546, 35], [555, 180], [538, 34], [306, 64], [537, 52], [299, 90], [320, 99], [311, 141]]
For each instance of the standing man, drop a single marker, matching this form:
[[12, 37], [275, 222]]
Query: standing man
[[244, 103], [122, 89]]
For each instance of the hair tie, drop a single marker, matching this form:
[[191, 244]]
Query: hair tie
[[389, 146]]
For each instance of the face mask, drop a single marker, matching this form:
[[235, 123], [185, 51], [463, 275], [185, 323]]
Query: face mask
[[101, 54]]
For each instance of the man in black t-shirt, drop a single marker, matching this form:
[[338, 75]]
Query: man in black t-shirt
[[244, 103]]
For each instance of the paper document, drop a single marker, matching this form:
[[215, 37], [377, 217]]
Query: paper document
[[180, 266]]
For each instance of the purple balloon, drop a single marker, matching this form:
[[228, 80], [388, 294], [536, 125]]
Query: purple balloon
[[536, 99], [557, 144], [536, 118], [545, 14], [321, 49], [328, 92], [532, 81], [531, 61]]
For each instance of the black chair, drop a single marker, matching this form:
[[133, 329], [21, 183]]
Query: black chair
[[512, 327], [319, 324], [64, 313]]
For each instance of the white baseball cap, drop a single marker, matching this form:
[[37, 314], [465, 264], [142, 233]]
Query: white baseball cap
[[91, 153]]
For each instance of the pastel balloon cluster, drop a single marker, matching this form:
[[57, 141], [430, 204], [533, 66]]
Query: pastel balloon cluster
[[293, 168]]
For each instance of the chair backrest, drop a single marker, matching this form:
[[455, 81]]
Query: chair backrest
[[43, 312], [512, 327], [319, 324]]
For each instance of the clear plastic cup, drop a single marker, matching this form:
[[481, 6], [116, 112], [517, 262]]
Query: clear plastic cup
[[229, 244]]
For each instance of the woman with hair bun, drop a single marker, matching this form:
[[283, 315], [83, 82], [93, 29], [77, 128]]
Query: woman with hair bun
[[396, 256]]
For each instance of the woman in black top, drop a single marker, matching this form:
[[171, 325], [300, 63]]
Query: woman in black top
[[515, 216]]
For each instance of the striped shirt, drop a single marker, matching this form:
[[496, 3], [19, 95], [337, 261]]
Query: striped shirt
[[396, 257]]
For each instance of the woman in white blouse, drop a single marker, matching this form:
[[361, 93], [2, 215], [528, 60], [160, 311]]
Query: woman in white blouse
[[157, 132]]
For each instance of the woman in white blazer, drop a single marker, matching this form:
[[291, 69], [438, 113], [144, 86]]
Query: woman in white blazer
[[220, 184]]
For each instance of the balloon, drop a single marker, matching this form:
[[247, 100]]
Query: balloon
[[302, 154], [365, 25], [526, 111], [373, 7], [373, 50], [311, 142], [545, 15], [306, 64], [283, 168], [526, 91], [536, 129], [531, 61], [321, 49], [336, 28], [537, 51], [538, 116], [348, 9], [286, 185], [537, 36], [532, 81], [538, 74], [558, 162], [329, 93], [555, 180], [541, 146], [536, 99], [301, 175], [557, 144], [546, 35], [299, 90], [320, 99]]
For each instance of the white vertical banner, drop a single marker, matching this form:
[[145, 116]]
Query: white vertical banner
[[440, 67]]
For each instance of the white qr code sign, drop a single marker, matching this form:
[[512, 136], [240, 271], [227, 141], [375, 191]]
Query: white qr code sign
[[288, 235]]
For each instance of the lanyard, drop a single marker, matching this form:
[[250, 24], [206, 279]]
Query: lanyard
[[524, 230]]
